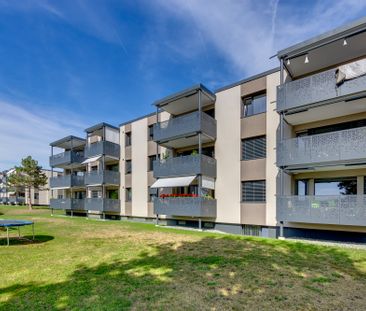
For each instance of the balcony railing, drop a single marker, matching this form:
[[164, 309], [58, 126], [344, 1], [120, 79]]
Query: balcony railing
[[102, 148], [18, 200], [185, 125], [103, 205], [185, 166], [192, 207], [320, 87], [68, 204], [67, 181], [66, 158], [335, 210], [342, 146], [102, 177]]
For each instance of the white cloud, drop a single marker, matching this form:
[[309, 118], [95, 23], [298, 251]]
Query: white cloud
[[249, 32], [26, 132]]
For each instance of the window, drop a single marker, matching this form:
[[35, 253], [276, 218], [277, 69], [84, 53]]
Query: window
[[302, 187], [128, 194], [253, 191], [336, 186], [150, 165], [36, 196], [94, 168], [253, 148], [128, 166], [253, 105], [128, 139], [150, 132]]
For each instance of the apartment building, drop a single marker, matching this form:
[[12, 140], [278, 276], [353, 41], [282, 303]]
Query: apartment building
[[280, 153], [19, 195]]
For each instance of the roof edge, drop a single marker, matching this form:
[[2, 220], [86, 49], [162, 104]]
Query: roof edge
[[251, 78]]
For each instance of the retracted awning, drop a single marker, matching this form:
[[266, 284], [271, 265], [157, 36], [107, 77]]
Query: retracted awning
[[173, 182], [93, 159]]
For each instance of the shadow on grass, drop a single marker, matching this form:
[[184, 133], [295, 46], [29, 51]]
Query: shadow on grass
[[25, 239], [221, 273]]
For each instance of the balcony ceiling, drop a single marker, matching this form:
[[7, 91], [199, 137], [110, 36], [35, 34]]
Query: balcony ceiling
[[68, 142], [186, 100], [326, 50], [327, 112]]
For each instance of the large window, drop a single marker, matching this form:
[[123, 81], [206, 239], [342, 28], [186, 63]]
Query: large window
[[253, 191], [253, 148], [336, 186], [128, 194], [128, 167], [253, 105], [128, 138]]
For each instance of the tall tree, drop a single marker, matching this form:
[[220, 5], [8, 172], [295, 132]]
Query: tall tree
[[29, 175]]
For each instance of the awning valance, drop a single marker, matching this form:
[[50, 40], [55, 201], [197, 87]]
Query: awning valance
[[173, 182], [93, 159]]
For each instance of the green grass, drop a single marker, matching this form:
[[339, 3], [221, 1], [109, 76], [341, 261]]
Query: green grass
[[80, 264]]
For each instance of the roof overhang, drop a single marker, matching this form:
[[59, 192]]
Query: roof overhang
[[186, 100], [68, 142], [326, 50], [99, 126]]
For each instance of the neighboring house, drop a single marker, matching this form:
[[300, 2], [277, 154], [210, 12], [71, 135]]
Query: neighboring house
[[279, 153], [19, 195]]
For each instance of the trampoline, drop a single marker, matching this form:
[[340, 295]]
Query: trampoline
[[9, 224]]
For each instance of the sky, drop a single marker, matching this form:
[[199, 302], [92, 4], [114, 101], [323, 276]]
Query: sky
[[67, 65]]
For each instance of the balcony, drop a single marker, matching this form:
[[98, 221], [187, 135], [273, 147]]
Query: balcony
[[102, 148], [183, 128], [190, 207], [341, 147], [67, 181], [16, 201], [102, 177], [185, 166], [68, 204], [334, 210], [103, 205], [66, 158], [317, 88]]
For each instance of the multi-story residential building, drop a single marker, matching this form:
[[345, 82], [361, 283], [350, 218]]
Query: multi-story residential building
[[19, 195], [278, 153]]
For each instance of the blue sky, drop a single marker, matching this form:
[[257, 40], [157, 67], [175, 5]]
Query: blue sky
[[66, 65]]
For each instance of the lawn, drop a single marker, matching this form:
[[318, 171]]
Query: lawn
[[114, 265]]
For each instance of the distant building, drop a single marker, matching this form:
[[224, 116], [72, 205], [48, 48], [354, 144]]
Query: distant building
[[19, 195]]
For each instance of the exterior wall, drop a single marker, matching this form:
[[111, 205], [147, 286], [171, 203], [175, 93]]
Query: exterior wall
[[227, 153], [139, 168], [272, 124]]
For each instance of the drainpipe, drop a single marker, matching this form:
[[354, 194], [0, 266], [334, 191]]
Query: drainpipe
[[51, 191]]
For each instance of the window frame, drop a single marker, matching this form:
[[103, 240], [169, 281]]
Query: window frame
[[251, 98]]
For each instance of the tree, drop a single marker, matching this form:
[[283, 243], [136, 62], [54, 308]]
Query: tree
[[29, 175]]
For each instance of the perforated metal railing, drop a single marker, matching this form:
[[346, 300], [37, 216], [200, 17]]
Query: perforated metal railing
[[185, 166], [338, 146], [336, 210], [316, 88], [185, 125]]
